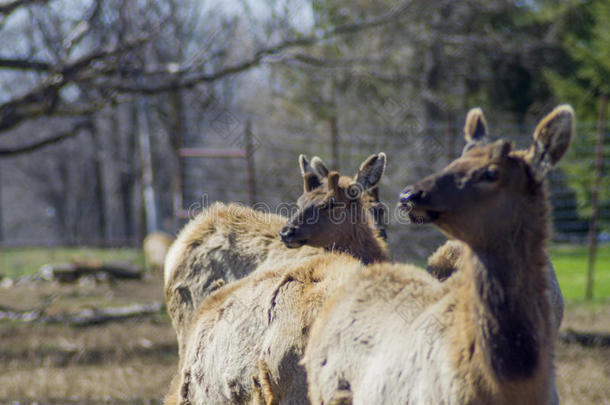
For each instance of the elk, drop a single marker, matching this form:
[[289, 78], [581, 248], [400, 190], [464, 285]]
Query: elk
[[225, 243], [155, 247], [484, 336], [246, 339]]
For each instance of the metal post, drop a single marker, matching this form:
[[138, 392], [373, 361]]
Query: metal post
[[250, 164], [1, 217], [179, 130], [334, 141]]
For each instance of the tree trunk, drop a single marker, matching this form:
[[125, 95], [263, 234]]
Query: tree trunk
[[599, 160], [148, 192], [98, 168], [128, 172]]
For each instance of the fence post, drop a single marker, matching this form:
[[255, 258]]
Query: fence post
[[250, 164], [334, 140], [178, 126], [599, 156], [1, 217]]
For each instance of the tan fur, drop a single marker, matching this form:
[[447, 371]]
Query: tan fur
[[221, 245], [484, 336], [155, 247], [248, 339], [263, 393], [445, 260]]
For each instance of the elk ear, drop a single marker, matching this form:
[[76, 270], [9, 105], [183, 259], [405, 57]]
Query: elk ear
[[310, 182], [551, 140], [501, 149], [319, 166], [304, 165], [475, 129], [370, 171], [333, 181]]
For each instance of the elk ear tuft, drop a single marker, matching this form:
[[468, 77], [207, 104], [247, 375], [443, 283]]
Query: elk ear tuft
[[371, 171], [311, 181], [475, 129], [319, 166], [333, 181], [551, 140]]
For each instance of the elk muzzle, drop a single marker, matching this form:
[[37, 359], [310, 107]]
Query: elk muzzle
[[289, 235]]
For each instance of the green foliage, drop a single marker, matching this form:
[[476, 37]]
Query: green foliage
[[580, 80]]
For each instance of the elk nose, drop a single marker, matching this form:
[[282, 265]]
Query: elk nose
[[287, 232], [410, 195]]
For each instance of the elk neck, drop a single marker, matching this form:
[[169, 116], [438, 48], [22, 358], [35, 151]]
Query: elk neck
[[362, 242], [504, 291]]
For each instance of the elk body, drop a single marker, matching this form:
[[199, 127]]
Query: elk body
[[247, 339], [484, 336], [155, 247], [225, 243]]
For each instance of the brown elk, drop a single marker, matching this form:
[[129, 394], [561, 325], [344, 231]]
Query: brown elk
[[225, 243], [485, 335], [247, 338], [322, 213]]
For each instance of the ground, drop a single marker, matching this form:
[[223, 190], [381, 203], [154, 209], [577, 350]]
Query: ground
[[132, 362]]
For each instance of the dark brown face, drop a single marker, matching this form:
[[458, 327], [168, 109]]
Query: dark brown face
[[472, 192], [332, 205], [482, 192], [325, 215]]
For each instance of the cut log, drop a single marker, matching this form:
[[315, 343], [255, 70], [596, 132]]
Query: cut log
[[96, 316], [69, 272], [86, 317], [587, 339]]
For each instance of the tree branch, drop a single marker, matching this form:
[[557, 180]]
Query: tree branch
[[179, 78], [44, 99], [6, 9], [18, 150], [24, 64]]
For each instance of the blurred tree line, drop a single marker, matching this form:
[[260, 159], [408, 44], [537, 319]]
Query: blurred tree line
[[87, 84]]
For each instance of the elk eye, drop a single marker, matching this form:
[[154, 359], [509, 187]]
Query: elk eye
[[491, 174]]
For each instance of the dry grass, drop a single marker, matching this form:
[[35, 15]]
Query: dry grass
[[128, 362], [583, 373], [133, 362], [124, 361]]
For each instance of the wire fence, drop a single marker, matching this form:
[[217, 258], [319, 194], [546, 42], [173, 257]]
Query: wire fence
[[412, 153], [410, 157]]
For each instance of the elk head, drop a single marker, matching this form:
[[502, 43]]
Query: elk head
[[491, 187], [333, 206]]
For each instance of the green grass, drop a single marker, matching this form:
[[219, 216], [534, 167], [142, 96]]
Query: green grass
[[570, 262], [18, 262]]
